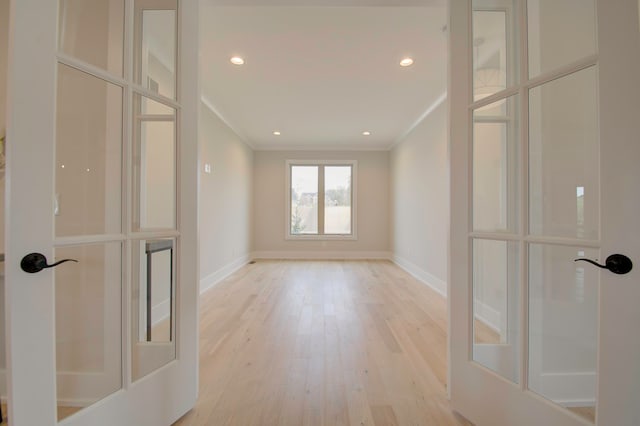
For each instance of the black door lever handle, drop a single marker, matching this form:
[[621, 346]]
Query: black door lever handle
[[36, 262], [616, 263]]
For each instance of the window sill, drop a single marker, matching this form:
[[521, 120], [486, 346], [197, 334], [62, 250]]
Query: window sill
[[312, 237]]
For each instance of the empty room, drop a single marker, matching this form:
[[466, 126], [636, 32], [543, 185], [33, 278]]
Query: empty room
[[304, 212]]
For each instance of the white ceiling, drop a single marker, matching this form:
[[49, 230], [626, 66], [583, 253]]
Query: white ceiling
[[323, 75]]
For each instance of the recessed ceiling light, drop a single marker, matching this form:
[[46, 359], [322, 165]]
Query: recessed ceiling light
[[366, 133], [406, 62], [237, 60], [276, 133]]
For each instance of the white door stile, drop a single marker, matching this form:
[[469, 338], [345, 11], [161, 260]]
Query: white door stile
[[30, 373], [459, 132], [619, 355], [187, 305]]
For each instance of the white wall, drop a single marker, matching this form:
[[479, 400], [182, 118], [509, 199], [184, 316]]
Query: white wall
[[270, 197], [225, 199], [420, 200]]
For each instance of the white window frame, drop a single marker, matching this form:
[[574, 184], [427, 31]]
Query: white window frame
[[321, 235]]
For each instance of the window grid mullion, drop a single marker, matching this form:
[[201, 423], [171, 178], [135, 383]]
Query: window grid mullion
[[321, 200]]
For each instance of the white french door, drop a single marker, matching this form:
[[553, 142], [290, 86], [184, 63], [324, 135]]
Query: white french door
[[102, 169], [544, 125]]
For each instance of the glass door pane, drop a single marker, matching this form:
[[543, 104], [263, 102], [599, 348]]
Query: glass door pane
[[564, 177], [88, 325], [563, 326], [496, 148], [560, 32], [155, 164], [93, 31], [88, 155], [496, 313]]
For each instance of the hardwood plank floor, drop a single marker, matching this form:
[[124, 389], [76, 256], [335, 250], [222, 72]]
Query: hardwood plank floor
[[322, 343]]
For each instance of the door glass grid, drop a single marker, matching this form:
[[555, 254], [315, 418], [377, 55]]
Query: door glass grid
[[560, 195], [496, 151], [92, 149], [88, 203]]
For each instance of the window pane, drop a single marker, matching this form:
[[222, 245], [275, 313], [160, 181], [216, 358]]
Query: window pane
[[304, 200], [337, 200]]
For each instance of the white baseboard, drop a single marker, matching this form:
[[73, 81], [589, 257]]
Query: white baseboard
[[421, 275], [211, 280], [569, 389], [322, 255], [489, 316]]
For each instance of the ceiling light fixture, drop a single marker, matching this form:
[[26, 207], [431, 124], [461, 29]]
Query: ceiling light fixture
[[406, 62], [366, 133], [276, 133], [237, 60]]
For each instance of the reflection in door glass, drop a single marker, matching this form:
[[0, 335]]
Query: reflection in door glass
[[153, 305], [563, 326], [155, 65], [494, 47]]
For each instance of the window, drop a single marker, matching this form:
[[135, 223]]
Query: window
[[321, 202]]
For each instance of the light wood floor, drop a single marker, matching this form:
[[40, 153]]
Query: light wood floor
[[322, 343]]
